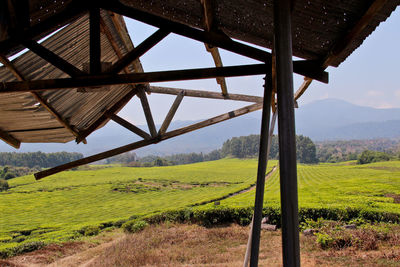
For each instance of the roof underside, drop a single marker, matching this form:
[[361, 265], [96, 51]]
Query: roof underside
[[318, 27]]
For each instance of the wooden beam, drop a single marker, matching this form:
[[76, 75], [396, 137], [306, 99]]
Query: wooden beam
[[94, 41], [204, 94], [73, 10], [138, 51], [218, 63], [9, 139], [137, 78], [214, 120], [143, 143], [122, 102], [208, 15], [147, 112], [212, 38], [306, 83], [171, 113], [52, 58], [129, 126], [38, 97]]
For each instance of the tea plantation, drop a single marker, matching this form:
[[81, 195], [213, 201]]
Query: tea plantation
[[77, 203]]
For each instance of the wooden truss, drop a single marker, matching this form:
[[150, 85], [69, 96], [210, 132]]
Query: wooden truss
[[278, 70]]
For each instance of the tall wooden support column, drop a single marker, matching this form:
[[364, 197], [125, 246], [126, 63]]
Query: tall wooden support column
[[262, 167], [287, 134]]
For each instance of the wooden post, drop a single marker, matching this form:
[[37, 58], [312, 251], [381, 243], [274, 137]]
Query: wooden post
[[287, 134], [262, 167]]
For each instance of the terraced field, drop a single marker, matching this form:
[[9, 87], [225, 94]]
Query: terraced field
[[370, 187], [54, 208], [61, 207]]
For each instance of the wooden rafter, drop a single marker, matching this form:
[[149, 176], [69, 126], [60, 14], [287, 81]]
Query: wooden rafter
[[212, 38], [122, 102], [171, 113], [208, 14], [9, 139], [140, 50], [53, 58], [73, 10], [144, 143], [147, 112], [129, 126], [204, 94], [137, 78], [38, 97]]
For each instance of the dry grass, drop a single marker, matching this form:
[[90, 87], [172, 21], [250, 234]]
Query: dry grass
[[192, 245]]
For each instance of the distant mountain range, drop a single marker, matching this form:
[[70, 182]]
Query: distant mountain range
[[328, 119]]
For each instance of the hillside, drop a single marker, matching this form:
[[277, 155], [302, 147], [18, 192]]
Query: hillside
[[329, 119]]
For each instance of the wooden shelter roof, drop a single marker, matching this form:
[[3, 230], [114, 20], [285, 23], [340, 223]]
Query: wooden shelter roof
[[325, 32]]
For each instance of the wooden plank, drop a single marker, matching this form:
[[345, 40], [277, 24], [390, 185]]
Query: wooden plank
[[137, 78], [38, 97], [138, 51], [143, 143], [303, 87], [171, 113], [147, 112], [9, 139], [212, 38], [52, 58], [204, 94], [129, 126], [94, 41]]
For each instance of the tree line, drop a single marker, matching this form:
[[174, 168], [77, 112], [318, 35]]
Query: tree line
[[37, 159], [237, 147]]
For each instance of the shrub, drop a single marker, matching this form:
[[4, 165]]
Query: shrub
[[3, 185], [134, 226], [91, 230]]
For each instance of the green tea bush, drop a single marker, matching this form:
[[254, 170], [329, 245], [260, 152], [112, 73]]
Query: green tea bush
[[134, 226], [91, 230], [4, 185]]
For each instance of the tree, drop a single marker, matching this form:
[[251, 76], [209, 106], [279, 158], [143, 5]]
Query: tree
[[368, 156], [3, 185], [306, 150]]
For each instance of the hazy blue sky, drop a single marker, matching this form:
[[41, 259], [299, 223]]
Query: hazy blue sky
[[370, 76]]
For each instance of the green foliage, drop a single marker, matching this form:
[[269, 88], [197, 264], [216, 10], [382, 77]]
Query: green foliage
[[305, 149], [324, 240], [368, 156], [91, 230], [52, 210], [37, 159], [134, 226], [4, 185]]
